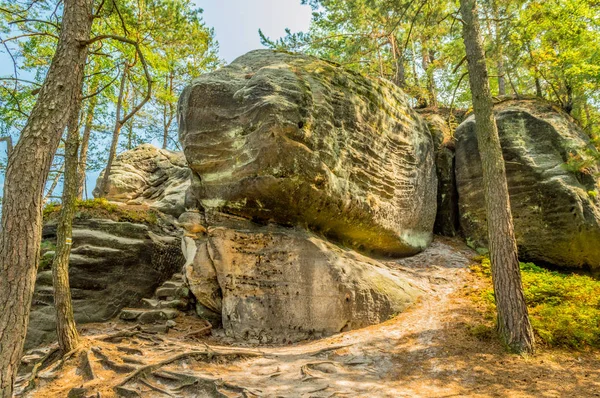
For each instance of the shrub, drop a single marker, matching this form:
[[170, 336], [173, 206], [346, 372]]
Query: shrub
[[564, 308]]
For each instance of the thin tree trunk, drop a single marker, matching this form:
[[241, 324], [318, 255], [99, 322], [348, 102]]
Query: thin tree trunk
[[499, 50], [501, 79], [513, 320], [9, 144], [85, 140], [68, 337], [400, 74], [168, 113], [26, 176], [538, 87], [116, 133], [431, 88], [54, 184], [589, 126]]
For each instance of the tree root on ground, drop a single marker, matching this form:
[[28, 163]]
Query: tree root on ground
[[30, 380], [120, 361], [201, 332], [210, 353]]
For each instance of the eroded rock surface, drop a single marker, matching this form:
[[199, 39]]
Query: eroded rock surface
[[299, 141], [147, 175], [446, 220], [277, 284], [556, 211], [112, 265]]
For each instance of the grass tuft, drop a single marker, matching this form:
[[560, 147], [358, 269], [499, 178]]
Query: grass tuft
[[564, 308]]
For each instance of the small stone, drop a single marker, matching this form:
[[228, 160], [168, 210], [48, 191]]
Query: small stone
[[171, 323]]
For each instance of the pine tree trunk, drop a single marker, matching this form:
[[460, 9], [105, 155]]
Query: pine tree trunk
[[68, 337], [85, 139], [513, 320], [26, 176]]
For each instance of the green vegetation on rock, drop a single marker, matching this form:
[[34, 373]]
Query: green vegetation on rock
[[564, 308], [102, 208]]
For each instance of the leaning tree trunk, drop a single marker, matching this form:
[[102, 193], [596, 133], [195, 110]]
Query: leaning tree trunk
[[513, 321], [68, 337], [25, 178], [116, 133]]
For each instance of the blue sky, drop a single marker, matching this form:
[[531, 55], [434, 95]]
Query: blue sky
[[236, 22]]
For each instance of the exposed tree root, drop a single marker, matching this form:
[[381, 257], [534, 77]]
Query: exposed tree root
[[201, 332], [210, 353], [188, 380], [30, 384], [120, 334], [85, 367], [147, 383], [110, 364]]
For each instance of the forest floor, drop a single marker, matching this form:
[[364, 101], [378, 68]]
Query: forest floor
[[428, 351]]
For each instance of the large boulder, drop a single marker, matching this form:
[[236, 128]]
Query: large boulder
[[296, 140], [556, 208], [149, 176], [112, 265], [277, 284]]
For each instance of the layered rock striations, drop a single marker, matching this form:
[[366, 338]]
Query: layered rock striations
[[112, 265], [275, 284], [149, 176], [287, 152], [555, 203], [291, 139]]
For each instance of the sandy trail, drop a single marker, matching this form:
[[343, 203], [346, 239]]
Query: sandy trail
[[426, 351]]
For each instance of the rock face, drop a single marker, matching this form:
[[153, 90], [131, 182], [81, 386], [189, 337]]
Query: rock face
[[295, 140], [556, 211], [149, 176], [112, 265], [277, 284], [446, 220]]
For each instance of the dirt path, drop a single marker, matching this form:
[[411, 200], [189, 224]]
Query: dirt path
[[428, 351]]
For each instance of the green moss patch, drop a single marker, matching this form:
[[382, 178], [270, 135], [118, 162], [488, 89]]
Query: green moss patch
[[564, 308], [102, 208]]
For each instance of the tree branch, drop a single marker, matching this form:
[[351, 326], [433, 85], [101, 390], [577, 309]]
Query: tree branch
[[104, 87], [144, 65], [35, 20]]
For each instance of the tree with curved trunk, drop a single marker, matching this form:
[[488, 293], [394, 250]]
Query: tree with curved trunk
[[513, 320], [26, 175]]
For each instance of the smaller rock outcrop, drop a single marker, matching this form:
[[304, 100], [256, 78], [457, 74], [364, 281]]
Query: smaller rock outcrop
[[112, 265], [158, 313], [276, 284], [555, 205], [147, 175]]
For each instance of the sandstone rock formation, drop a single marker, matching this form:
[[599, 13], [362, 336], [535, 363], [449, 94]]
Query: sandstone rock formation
[[556, 210], [149, 176], [446, 220], [278, 284], [299, 141], [112, 265]]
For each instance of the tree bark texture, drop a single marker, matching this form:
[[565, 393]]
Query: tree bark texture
[[26, 176], [68, 337], [513, 320]]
